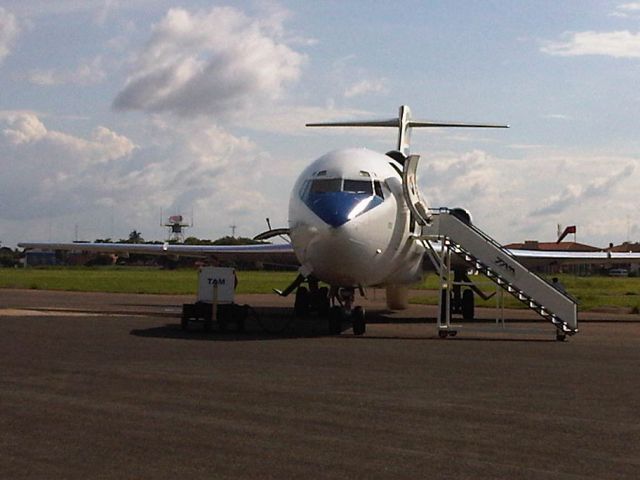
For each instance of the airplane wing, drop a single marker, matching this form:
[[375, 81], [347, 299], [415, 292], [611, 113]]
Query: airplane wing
[[273, 253], [532, 258], [541, 258], [283, 253]]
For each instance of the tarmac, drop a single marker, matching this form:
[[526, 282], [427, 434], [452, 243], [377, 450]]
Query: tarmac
[[109, 386]]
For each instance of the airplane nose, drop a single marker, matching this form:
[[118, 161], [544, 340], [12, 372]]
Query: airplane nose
[[337, 208]]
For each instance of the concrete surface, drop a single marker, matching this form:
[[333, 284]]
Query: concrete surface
[[108, 386]]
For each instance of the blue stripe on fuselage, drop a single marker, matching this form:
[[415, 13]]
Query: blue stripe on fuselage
[[337, 208]]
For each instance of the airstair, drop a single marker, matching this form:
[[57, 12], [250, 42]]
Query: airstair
[[446, 234]]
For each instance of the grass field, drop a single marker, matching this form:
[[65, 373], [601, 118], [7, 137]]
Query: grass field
[[131, 280], [591, 292]]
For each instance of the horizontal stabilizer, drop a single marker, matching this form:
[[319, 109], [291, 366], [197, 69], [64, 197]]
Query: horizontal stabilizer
[[395, 123], [404, 124]]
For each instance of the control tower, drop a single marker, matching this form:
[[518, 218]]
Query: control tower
[[176, 226]]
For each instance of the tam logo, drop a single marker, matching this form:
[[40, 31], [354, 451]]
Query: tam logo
[[216, 281]]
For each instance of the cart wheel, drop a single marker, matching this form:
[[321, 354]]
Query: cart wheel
[[208, 325]]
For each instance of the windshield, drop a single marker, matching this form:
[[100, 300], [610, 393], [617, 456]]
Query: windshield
[[326, 185], [329, 185], [358, 186]]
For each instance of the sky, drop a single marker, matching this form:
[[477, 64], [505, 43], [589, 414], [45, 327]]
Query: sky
[[115, 114]]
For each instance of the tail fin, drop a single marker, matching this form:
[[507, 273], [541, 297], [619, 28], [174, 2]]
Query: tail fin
[[404, 124]]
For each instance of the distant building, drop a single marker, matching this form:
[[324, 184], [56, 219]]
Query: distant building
[[634, 268], [624, 247], [551, 246], [37, 258], [582, 269]]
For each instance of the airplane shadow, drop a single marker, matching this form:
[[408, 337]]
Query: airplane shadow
[[457, 338], [175, 332], [279, 324]]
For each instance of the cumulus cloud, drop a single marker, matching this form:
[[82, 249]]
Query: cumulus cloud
[[525, 197], [9, 30], [210, 62], [466, 180], [87, 73], [576, 194], [45, 169], [291, 119], [193, 164], [51, 175], [23, 128], [629, 7], [626, 10], [366, 86], [619, 44], [557, 116], [104, 11]]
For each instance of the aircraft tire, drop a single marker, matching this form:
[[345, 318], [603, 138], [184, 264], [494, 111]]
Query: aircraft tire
[[301, 305], [468, 304], [359, 321], [335, 321], [208, 325], [324, 306]]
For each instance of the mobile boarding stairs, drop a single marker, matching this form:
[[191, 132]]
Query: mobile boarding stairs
[[456, 236]]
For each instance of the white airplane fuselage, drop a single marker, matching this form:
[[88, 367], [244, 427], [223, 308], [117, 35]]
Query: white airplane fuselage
[[349, 223]]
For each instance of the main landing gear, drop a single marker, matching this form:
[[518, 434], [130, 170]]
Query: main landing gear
[[311, 300], [336, 305]]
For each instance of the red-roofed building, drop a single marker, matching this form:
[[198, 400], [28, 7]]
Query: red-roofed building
[[624, 247], [553, 246], [584, 269]]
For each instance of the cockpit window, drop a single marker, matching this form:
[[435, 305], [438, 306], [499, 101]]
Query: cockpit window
[[326, 185], [358, 186], [378, 188]]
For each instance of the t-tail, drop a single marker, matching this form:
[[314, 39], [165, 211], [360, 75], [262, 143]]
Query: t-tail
[[404, 123]]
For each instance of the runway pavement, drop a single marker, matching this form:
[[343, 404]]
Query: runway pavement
[[108, 386]]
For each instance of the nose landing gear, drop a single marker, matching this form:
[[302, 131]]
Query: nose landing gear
[[345, 310], [316, 299]]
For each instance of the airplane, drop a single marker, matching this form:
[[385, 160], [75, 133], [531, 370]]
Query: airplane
[[357, 220]]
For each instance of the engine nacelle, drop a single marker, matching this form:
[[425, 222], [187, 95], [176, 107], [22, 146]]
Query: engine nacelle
[[397, 297], [462, 214]]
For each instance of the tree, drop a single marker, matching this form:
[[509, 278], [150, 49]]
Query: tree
[[135, 237], [236, 241], [8, 257]]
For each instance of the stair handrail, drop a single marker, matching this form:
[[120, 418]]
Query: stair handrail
[[485, 236]]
